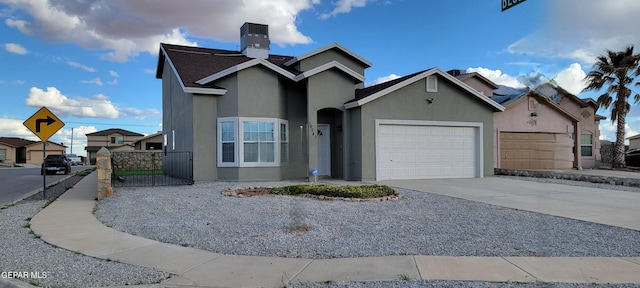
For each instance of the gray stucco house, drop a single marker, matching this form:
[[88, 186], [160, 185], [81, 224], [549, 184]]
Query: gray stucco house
[[251, 115]]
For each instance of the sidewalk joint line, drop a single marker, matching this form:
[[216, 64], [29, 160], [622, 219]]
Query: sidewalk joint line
[[525, 271], [415, 263], [301, 270]]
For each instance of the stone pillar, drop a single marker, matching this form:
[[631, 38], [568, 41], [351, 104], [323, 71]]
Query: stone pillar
[[103, 163]]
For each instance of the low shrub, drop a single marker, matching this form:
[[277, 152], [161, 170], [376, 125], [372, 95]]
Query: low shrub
[[349, 191]]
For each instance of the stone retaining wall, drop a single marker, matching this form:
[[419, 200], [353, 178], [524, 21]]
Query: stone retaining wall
[[569, 176]]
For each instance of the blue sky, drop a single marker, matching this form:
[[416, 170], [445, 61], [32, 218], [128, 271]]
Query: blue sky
[[92, 62]]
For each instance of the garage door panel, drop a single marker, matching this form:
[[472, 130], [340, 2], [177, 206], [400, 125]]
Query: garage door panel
[[424, 152], [524, 150]]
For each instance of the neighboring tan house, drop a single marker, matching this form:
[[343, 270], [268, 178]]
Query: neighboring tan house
[[114, 139], [251, 115], [15, 150], [634, 142], [538, 126], [151, 142]]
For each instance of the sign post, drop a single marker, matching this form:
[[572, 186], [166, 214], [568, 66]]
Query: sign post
[[44, 124]]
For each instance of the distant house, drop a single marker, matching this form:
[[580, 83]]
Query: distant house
[[251, 115], [114, 139], [538, 127], [15, 150], [151, 142]]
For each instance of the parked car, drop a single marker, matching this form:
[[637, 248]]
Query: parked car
[[55, 163], [75, 159], [632, 158]]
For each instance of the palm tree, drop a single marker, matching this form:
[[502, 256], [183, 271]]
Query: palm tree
[[616, 70]]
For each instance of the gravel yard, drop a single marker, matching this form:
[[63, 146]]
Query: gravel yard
[[285, 226], [49, 266], [199, 216]]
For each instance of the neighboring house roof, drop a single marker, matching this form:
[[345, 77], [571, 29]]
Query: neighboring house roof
[[15, 142], [466, 76], [54, 143], [196, 68], [159, 133], [114, 131], [634, 137], [510, 101], [371, 93]]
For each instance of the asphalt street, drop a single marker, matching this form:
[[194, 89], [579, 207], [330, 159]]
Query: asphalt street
[[18, 183]]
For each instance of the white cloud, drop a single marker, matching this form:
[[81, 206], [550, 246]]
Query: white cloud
[[79, 138], [14, 128], [344, 6], [572, 79], [150, 71], [114, 74], [19, 82], [127, 28], [15, 48], [582, 34], [96, 81], [497, 77], [113, 82], [81, 66], [98, 106], [384, 79]]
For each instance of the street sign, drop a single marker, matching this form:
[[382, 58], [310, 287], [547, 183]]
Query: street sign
[[506, 4], [44, 124]]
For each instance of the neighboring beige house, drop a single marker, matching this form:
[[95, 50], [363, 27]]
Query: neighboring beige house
[[15, 150], [151, 142], [634, 142], [538, 126], [114, 139]]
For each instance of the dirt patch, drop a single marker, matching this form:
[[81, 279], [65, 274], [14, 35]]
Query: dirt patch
[[252, 191]]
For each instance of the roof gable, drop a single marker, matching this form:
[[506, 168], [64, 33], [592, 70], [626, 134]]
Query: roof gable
[[336, 46], [542, 99], [371, 93], [463, 77]]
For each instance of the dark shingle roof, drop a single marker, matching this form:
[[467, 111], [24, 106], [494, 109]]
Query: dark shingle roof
[[15, 141], [364, 92], [113, 131], [195, 63]]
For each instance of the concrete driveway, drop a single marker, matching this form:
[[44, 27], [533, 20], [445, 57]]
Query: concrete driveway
[[610, 207]]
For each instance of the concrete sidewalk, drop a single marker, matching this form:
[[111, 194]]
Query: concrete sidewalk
[[69, 223]]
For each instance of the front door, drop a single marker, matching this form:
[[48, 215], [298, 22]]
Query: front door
[[324, 150]]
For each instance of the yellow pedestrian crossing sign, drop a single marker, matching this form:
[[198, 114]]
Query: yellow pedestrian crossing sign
[[44, 124]]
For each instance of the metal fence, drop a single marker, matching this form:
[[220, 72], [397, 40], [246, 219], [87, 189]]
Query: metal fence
[[144, 168]]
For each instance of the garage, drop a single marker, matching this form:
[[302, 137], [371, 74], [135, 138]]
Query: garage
[[527, 150], [428, 150]]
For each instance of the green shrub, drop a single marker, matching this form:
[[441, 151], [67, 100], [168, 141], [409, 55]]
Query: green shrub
[[349, 191]]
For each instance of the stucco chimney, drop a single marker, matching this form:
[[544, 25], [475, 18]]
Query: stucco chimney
[[254, 40]]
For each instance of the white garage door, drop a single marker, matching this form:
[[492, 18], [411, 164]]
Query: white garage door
[[427, 151]]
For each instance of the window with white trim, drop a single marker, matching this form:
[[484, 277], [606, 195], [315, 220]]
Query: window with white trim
[[3, 155], [252, 142], [586, 145]]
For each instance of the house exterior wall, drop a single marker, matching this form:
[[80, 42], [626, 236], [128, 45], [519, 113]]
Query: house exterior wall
[[142, 144], [35, 154], [588, 125], [9, 154], [634, 143], [517, 118], [331, 98], [408, 103], [328, 56], [479, 85], [105, 141], [259, 92]]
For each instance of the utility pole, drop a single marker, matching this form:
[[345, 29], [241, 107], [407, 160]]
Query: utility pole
[[71, 141]]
